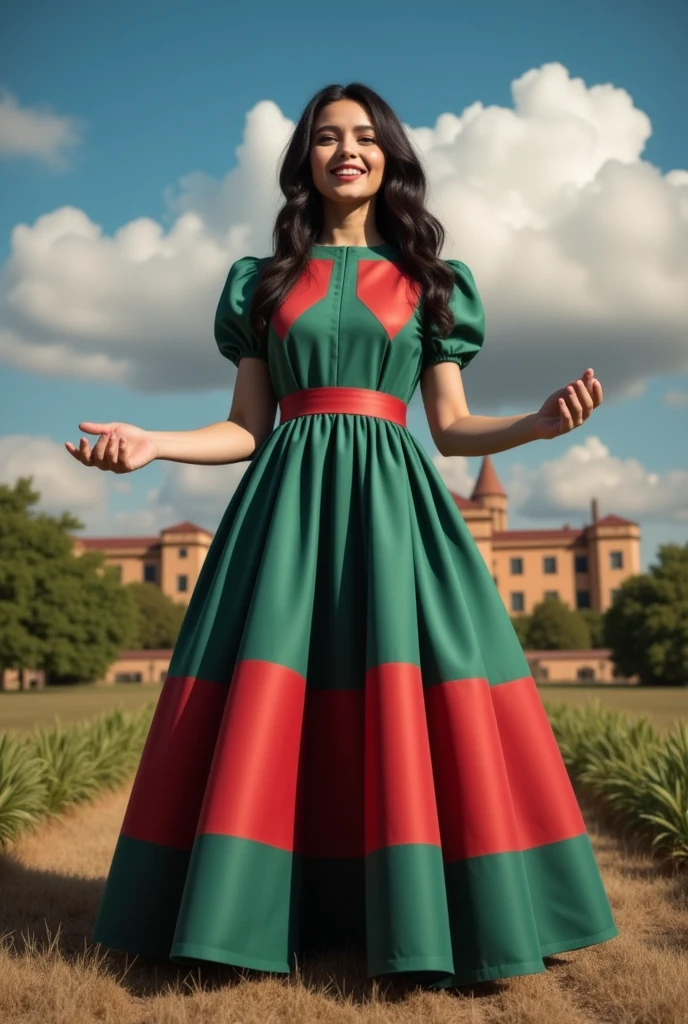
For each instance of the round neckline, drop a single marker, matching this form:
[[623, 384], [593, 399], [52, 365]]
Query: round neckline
[[383, 248]]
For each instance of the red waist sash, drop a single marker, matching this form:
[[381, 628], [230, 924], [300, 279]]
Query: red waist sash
[[364, 401]]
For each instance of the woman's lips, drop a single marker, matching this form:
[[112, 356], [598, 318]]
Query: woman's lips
[[347, 177]]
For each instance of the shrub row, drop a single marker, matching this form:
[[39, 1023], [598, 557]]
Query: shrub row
[[43, 772], [639, 775]]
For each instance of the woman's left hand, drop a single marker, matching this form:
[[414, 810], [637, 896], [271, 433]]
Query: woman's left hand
[[568, 407]]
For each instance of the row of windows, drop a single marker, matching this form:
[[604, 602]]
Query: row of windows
[[136, 677], [150, 575], [549, 567], [150, 569], [581, 673], [549, 563], [518, 598]]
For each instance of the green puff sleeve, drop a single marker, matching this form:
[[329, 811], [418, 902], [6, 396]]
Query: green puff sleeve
[[233, 333], [466, 338]]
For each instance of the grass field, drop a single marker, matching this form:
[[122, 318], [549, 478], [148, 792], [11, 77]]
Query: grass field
[[663, 705], [70, 703]]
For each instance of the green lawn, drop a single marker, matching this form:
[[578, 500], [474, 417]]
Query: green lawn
[[21, 710], [663, 705]]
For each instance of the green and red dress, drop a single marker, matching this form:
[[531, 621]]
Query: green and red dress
[[349, 747]]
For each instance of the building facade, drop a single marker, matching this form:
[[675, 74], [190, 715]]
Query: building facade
[[584, 566], [171, 561], [150, 667]]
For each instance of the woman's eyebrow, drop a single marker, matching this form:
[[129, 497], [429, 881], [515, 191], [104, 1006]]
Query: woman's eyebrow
[[333, 127]]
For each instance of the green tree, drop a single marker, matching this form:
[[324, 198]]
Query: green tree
[[159, 617], [595, 621], [65, 613], [556, 627], [521, 624], [646, 625]]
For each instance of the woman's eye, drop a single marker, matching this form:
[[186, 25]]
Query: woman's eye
[[331, 138]]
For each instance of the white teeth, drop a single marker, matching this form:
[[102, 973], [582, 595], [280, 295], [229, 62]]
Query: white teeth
[[347, 174]]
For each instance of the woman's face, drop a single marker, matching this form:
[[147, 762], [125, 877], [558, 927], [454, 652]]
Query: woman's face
[[343, 134]]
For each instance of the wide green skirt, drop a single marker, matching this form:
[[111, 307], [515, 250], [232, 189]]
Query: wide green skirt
[[349, 747]]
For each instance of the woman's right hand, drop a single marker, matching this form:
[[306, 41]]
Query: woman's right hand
[[121, 447]]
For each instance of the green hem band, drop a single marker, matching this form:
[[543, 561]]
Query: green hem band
[[586, 940], [180, 950]]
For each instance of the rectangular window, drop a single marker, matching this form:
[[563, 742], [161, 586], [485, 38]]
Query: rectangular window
[[517, 601], [613, 593], [182, 583], [549, 564], [551, 593], [516, 566], [582, 599], [581, 563], [616, 559], [163, 675], [128, 677], [585, 673], [149, 573], [117, 569], [182, 552]]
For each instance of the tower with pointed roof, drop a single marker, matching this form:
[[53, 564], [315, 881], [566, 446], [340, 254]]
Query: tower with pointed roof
[[489, 493]]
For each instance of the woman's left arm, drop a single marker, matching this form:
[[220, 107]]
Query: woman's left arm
[[456, 431]]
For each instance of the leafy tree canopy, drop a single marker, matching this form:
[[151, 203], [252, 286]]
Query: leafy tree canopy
[[65, 613], [554, 626], [647, 624], [159, 617]]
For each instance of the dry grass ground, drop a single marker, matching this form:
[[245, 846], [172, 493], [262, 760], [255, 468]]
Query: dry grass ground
[[50, 884]]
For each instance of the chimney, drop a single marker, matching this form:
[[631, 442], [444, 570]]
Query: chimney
[[594, 510]]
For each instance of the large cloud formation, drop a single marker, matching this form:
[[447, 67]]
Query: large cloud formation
[[579, 248]]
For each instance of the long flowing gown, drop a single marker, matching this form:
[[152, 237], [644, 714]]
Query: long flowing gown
[[349, 746]]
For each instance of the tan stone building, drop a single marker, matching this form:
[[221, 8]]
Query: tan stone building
[[171, 561], [583, 566]]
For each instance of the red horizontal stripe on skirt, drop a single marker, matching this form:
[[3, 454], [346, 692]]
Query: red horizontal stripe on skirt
[[544, 800], [364, 401], [170, 781], [500, 778], [251, 790], [400, 805]]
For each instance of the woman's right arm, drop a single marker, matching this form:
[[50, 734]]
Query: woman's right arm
[[123, 447]]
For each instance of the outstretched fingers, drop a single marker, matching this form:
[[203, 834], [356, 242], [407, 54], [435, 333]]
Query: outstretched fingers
[[105, 453]]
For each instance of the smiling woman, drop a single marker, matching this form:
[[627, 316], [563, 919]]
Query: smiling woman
[[349, 746], [356, 177]]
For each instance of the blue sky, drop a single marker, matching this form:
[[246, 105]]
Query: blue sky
[[157, 98]]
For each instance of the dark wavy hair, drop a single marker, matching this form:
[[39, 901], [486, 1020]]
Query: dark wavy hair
[[401, 216]]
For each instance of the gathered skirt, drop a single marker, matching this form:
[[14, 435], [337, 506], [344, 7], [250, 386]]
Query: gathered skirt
[[349, 747]]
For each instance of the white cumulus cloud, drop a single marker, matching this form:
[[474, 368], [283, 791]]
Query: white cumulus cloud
[[589, 470], [578, 245], [64, 485], [36, 132]]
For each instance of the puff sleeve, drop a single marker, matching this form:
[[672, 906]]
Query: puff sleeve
[[233, 333], [466, 338]]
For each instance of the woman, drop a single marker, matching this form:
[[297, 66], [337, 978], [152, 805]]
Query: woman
[[349, 746]]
